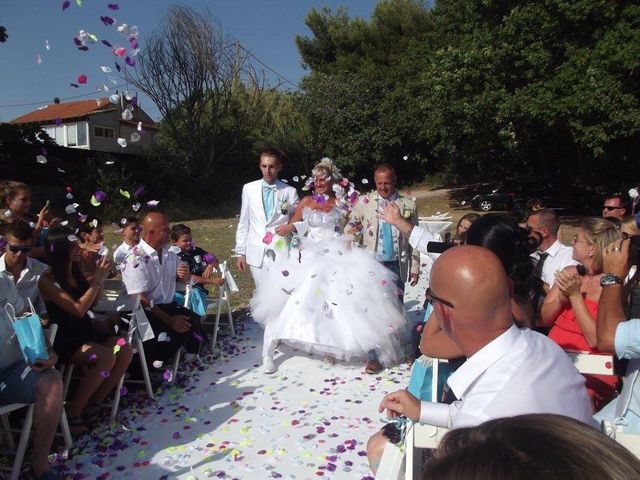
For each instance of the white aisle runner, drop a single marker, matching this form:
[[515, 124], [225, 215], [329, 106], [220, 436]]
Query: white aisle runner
[[229, 420]]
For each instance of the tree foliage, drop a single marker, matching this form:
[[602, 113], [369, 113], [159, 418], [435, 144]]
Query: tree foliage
[[486, 88]]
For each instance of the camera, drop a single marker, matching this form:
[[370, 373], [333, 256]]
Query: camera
[[439, 247]]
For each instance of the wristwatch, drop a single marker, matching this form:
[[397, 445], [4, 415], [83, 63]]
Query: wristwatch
[[608, 279]]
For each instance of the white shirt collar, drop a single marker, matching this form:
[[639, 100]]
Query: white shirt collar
[[554, 248], [479, 362]]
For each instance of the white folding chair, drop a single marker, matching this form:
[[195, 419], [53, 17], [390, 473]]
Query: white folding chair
[[224, 292], [28, 422], [188, 287]]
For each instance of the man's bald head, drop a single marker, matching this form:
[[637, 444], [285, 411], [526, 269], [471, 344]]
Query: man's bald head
[[473, 280], [156, 229]]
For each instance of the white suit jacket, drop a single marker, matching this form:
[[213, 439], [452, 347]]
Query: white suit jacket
[[253, 224]]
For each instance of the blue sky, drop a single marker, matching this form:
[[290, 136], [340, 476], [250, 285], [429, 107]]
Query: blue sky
[[265, 27]]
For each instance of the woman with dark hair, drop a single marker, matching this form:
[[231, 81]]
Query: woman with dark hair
[[82, 339], [546, 446], [463, 225], [512, 244]]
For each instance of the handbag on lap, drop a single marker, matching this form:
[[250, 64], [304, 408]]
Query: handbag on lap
[[29, 332]]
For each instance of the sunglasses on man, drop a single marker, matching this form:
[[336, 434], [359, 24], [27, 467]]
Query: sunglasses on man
[[610, 207], [19, 248]]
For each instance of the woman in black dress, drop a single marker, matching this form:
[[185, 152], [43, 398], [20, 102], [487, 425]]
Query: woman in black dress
[[69, 298]]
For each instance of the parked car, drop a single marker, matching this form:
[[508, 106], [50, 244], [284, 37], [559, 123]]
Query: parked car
[[514, 195]]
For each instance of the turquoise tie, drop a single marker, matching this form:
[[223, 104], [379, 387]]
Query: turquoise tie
[[387, 242], [268, 193]]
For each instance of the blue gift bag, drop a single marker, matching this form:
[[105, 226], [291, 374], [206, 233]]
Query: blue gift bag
[[197, 301], [30, 336], [421, 376]]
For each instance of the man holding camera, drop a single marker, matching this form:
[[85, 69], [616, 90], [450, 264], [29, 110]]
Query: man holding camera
[[621, 335]]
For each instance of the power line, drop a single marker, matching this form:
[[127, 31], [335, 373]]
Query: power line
[[251, 54]]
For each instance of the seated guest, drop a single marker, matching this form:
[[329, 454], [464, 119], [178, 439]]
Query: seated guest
[[509, 371], [91, 242], [615, 206], [130, 238], [201, 264], [150, 271], [571, 307], [24, 270], [42, 383], [552, 447], [15, 205], [83, 338], [619, 332]]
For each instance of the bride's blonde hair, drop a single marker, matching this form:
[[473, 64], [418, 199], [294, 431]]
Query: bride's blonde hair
[[327, 167]]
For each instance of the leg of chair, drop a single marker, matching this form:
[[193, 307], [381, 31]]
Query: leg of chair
[[176, 363], [68, 373], [6, 430], [216, 323], [143, 365], [230, 315], [22, 444], [408, 457], [66, 432], [116, 400]]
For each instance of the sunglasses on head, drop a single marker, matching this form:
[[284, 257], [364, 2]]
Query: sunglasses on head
[[610, 207], [18, 248]]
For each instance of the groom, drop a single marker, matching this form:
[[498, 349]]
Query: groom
[[390, 247], [266, 203]]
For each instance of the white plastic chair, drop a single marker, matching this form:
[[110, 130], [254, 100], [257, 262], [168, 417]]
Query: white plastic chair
[[224, 293], [28, 422]]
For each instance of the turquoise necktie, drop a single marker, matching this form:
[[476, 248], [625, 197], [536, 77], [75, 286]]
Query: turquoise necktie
[[387, 242], [268, 194]]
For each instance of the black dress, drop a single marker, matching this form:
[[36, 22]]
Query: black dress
[[72, 332]]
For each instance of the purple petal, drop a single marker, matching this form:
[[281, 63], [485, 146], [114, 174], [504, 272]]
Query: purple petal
[[84, 48], [133, 41], [118, 67], [134, 102], [130, 61], [58, 121], [65, 5], [113, 6], [100, 196], [167, 375], [139, 190], [107, 20], [105, 373], [209, 258], [75, 85], [107, 44], [77, 41], [44, 151]]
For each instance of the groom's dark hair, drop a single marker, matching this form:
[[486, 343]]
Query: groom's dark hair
[[271, 152]]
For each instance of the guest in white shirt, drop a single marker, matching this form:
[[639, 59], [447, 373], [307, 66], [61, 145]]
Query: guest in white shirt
[[508, 371], [130, 238], [553, 254], [151, 271], [24, 270]]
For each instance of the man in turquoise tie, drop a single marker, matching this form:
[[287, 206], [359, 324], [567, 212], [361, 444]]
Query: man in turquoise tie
[[389, 246]]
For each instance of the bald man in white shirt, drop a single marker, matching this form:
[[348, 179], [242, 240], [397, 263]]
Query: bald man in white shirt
[[508, 371]]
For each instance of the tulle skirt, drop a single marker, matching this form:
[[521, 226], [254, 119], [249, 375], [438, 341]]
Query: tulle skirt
[[334, 299]]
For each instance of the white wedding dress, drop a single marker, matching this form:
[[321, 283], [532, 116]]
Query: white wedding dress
[[331, 297]]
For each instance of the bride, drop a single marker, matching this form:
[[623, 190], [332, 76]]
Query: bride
[[331, 298]]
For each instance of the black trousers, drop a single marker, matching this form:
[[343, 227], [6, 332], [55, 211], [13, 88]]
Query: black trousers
[[166, 350]]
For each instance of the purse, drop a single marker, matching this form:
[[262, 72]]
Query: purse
[[420, 382], [29, 332]]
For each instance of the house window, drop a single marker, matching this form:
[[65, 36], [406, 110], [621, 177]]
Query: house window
[[104, 132], [77, 134]]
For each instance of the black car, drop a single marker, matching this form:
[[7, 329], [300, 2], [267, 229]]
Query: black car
[[514, 195]]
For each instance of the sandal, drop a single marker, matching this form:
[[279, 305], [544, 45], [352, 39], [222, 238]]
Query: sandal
[[91, 416], [77, 427]]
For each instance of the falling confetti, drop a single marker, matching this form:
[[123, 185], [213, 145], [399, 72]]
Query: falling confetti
[[41, 159]]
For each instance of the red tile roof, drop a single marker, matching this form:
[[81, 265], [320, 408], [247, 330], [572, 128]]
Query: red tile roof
[[64, 111]]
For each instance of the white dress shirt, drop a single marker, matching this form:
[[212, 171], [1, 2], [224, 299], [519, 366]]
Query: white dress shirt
[[27, 283], [519, 372], [120, 253], [560, 256], [143, 273]]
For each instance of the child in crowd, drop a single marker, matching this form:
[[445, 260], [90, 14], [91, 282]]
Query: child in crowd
[[91, 239], [201, 263], [130, 238]]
